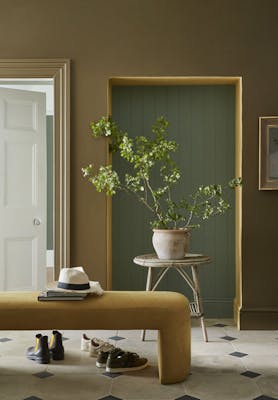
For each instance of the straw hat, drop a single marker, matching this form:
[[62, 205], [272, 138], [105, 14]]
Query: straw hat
[[75, 280]]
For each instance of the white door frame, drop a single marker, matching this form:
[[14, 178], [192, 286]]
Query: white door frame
[[59, 71]]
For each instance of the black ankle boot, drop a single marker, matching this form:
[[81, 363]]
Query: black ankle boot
[[39, 352], [56, 347]]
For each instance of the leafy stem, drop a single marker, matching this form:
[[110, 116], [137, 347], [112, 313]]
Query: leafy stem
[[143, 156]]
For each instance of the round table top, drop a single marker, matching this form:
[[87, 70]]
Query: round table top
[[151, 260]]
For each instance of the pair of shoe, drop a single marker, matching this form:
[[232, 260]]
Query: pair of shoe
[[95, 345], [118, 360], [42, 352], [111, 358]]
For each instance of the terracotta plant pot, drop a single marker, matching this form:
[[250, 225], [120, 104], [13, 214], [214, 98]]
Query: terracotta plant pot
[[171, 244]]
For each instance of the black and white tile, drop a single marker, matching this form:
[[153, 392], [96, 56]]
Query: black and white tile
[[233, 365]]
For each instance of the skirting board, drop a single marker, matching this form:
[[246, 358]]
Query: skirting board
[[258, 318]]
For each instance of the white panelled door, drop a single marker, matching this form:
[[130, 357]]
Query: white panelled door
[[22, 190]]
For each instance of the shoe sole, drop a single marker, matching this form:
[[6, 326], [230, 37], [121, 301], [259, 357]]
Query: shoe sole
[[114, 370], [100, 365], [40, 360]]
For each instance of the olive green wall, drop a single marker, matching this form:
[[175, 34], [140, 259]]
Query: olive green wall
[[202, 121], [105, 38]]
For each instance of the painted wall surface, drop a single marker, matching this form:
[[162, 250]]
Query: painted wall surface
[[202, 121], [105, 38]]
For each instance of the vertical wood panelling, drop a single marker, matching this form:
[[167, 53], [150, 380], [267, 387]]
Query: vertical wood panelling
[[202, 121]]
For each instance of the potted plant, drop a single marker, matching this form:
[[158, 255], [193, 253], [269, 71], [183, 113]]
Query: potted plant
[[151, 176]]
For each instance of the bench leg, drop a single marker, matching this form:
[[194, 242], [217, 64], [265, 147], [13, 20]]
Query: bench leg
[[174, 354]]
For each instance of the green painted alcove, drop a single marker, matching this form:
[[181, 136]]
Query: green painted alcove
[[202, 121]]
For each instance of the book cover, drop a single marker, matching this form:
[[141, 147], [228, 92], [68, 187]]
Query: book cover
[[53, 293], [60, 298]]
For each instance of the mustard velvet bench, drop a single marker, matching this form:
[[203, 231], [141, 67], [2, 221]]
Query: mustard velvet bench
[[167, 312]]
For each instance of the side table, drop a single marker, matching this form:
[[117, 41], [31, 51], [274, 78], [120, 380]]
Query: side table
[[190, 260]]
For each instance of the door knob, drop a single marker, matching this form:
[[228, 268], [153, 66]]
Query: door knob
[[37, 221]]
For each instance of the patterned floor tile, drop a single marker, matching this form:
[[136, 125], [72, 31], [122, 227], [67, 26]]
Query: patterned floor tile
[[221, 368], [43, 374], [238, 354], [32, 398], [216, 364], [144, 385], [112, 375], [3, 340], [116, 338], [218, 386], [229, 338], [268, 383], [255, 347], [250, 374]]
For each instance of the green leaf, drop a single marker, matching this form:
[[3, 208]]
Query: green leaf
[[151, 156]]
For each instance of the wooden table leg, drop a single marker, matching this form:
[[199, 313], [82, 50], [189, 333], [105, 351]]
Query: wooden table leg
[[148, 288], [198, 299]]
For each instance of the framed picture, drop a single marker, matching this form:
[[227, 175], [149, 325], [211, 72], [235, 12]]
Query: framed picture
[[268, 153]]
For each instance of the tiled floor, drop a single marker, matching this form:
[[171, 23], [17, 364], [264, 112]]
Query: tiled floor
[[231, 366]]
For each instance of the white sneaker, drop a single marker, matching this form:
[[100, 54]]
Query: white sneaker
[[96, 346], [86, 342]]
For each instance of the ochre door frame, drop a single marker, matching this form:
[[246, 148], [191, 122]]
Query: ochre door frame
[[176, 81]]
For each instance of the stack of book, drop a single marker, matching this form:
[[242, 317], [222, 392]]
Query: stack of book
[[56, 295]]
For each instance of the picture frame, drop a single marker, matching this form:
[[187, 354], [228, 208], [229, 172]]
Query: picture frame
[[268, 153]]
